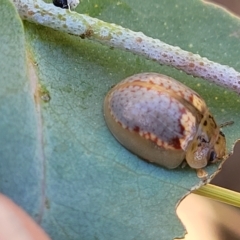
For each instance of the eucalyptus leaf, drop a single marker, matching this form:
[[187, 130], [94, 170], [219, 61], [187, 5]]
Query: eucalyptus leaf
[[58, 159]]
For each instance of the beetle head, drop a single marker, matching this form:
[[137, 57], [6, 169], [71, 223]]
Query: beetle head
[[208, 144]]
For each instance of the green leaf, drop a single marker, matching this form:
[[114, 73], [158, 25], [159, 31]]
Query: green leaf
[[58, 159], [20, 147]]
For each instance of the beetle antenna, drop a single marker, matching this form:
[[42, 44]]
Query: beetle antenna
[[226, 124]]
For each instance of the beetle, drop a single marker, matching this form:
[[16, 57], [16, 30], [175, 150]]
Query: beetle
[[163, 121]]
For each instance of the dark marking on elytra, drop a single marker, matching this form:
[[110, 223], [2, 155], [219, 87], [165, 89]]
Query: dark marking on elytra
[[211, 117], [136, 129], [222, 134], [176, 143]]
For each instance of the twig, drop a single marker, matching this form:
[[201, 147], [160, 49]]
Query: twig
[[116, 36]]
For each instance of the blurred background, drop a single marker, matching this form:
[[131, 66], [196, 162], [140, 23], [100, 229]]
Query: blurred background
[[231, 5]]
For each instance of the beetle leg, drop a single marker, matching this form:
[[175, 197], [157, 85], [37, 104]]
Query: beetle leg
[[201, 173]]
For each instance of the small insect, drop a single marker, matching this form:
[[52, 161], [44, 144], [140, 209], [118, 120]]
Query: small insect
[[163, 121], [67, 4]]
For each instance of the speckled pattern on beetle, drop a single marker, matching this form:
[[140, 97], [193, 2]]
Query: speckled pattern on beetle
[[163, 121]]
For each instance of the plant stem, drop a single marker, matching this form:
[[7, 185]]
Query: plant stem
[[116, 36]]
